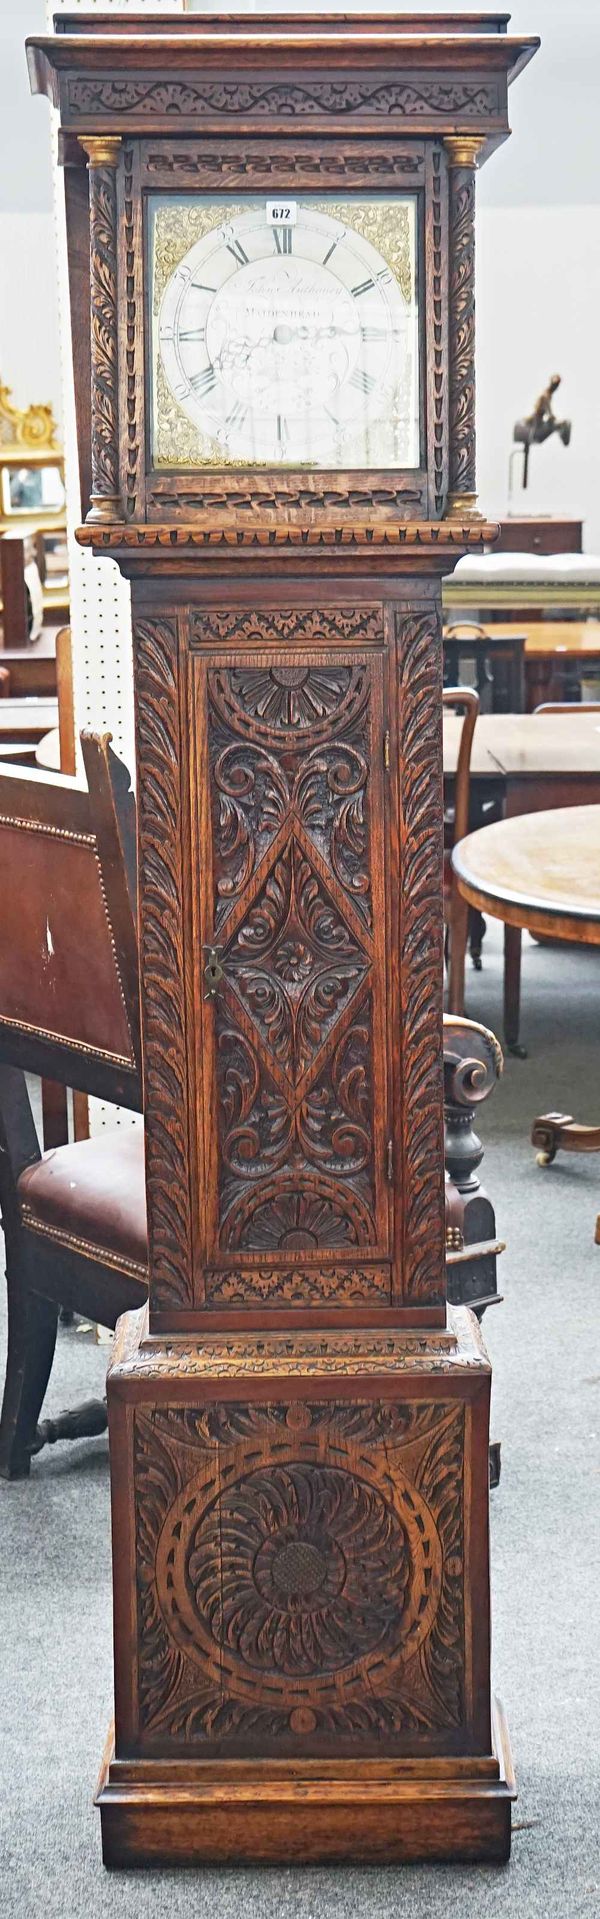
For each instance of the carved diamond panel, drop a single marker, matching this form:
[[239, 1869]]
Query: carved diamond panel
[[294, 817], [293, 962]]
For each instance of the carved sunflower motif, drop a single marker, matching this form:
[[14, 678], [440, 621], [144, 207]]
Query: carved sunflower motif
[[289, 696], [300, 1569], [298, 1221]]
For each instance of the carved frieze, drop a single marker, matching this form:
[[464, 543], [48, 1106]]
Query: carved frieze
[[371, 98], [305, 164]]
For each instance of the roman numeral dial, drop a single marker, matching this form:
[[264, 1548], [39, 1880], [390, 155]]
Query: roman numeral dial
[[286, 333]]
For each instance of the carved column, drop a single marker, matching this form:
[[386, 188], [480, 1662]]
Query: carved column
[[463, 152], [103, 159]]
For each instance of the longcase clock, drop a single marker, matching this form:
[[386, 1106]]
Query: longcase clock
[[271, 245]]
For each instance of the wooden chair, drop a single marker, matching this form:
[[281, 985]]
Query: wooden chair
[[513, 935], [498, 659], [472, 1064], [74, 1218], [456, 825], [55, 1098], [20, 589], [568, 706]]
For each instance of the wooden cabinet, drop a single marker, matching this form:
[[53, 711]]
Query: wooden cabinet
[[540, 534]]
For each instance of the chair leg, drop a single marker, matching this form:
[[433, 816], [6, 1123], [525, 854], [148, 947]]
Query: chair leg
[[32, 1323], [477, 932], [459, 927], [512, 990]]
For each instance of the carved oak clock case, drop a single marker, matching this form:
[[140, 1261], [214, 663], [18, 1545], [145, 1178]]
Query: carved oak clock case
[[271, 249]]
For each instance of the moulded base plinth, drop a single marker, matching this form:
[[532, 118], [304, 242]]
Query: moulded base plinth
[[182, 1813]]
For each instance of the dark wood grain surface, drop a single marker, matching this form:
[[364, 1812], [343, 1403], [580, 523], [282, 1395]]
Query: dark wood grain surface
[[299, 1434]]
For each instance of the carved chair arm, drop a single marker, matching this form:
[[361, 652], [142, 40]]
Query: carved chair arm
[[473, 1061]]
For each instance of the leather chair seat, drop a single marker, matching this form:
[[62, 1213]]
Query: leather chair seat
[[94, 1191]]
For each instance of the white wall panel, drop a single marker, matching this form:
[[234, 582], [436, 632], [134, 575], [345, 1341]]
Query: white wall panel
[[100, 598]]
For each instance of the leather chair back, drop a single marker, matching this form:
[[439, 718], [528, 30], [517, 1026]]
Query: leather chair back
[[69, 997]]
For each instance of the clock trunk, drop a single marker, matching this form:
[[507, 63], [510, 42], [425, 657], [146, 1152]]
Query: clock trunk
[[292, 1011]]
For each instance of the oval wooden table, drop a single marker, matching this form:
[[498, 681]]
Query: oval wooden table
[[540, 871]]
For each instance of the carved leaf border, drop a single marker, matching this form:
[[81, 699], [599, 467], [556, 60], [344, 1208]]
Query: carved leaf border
[[421, 951], [162, 917]]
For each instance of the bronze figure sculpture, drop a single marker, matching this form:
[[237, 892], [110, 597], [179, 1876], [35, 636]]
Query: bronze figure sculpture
[[540, 424]]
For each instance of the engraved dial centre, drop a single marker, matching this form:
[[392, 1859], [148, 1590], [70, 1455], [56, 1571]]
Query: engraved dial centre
[[283, 334]]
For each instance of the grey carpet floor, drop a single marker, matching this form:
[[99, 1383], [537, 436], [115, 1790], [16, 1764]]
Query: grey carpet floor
[[55, 1626]]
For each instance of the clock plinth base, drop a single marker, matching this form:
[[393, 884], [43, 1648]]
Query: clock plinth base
[[156, 1813], [301, 1598]]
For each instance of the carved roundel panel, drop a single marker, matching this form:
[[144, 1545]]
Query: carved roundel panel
[[298, 1572]]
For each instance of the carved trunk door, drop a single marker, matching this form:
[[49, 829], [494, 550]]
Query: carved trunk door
[[293, 1041]]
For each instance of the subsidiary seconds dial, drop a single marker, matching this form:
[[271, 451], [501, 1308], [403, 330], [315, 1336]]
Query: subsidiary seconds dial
[[282, 341]]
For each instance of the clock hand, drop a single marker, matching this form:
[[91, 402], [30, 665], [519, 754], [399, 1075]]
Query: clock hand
[[284, 334]]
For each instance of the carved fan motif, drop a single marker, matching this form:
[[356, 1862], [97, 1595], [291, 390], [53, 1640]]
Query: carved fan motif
[[301, 1222], [301, 1573], [313, 1569], [289, 696]]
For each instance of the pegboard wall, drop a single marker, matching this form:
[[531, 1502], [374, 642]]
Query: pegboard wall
[[100, 599]]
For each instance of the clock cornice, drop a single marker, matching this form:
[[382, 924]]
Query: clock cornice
[[361, 75], [215, 105]]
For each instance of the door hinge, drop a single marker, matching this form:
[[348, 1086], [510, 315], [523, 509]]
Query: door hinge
[[389, 1161], [386, 751]]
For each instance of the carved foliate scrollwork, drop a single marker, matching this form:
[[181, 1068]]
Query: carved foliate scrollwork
[[291, 626], [271, 1562], [421, 956], [289, 745], [162, 923], [298, 1286], [462, 333], [371, 98], [102, 162]]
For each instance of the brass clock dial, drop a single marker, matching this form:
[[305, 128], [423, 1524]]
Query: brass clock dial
[[284, 337]]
